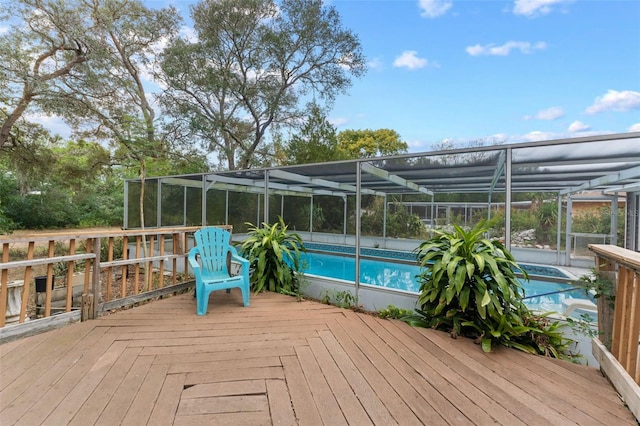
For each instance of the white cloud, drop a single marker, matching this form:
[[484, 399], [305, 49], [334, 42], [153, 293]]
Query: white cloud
[[375, 64], [499, 137], [537, 135], [53, 123], [535, 7], [635, 127], [410, 60], [188, 34], [433, 8], [505, 49], [615, 101], [3, 29], [552, 113], [417, 145], [338, 121], [578, 126]]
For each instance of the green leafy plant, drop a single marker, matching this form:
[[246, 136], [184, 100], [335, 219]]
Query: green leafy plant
[[601, 286], [274, 254], [346, 300], [393, 312], [342, 299], [584, 326], [298, 291], [468, 287], [326, 296]]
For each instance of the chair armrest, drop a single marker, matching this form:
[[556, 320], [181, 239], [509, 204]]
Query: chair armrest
[[236, 257], [193, 262]]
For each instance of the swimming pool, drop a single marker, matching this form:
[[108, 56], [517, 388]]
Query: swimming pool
[[540, 294]]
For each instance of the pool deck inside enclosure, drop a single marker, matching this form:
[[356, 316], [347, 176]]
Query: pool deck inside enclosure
[[281, 361]]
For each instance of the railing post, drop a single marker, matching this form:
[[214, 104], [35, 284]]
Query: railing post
[[607, 270], [95, 281], [3, 287]]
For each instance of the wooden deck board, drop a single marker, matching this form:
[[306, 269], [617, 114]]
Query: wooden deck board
[[452, 378], [244, 387], [472, 379], [351, 408], [164, 411], [512, 378], [377, 412], [280, 403], [87, 400], [45, 390], [120, 402], [30, 355], [229, 365], [435, 396], [324, 399], [304, 406], [284, 362], [474, 403], [145, 399], [385, 392]]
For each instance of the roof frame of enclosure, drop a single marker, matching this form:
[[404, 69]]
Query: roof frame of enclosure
[[605, 163], [563, 166]]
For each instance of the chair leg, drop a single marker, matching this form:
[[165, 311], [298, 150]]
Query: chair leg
[[245, 295], [202, 302]]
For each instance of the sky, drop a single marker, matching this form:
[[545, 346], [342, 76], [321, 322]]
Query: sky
[[498, 71], [504, 71]]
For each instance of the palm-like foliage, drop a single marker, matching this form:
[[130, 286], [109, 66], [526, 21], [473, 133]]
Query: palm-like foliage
[[274, 254], [469, 288]]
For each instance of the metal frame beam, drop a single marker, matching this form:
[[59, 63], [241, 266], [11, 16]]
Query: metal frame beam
[[322, 182], [381, 173]]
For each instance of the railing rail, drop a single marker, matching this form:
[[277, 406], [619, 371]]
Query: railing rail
[[624, 266], [160, 251]]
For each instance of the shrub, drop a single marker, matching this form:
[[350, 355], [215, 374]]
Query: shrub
[[274, 254], [468, 287]]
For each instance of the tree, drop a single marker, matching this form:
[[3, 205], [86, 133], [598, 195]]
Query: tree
[[252, 63], [44, 45], [371, 143], [316, 142], [46, 182], [101, 92]]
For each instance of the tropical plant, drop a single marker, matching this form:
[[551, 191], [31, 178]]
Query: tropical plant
[[274, 254], [340, 298], [468, 287], [393, 312]]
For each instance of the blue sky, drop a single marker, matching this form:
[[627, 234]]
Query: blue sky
[[498, 70], [501, 71]]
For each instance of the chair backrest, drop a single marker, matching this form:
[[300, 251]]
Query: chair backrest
[[213, 244]]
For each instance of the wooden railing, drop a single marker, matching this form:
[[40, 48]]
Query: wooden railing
[[624, 267], [133, 263]]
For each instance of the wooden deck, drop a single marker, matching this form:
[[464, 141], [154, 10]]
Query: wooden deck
[[284, 362]]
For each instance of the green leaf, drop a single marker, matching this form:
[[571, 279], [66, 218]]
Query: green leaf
[[486, 298], [459, 278], [486, 345], [464, 298]]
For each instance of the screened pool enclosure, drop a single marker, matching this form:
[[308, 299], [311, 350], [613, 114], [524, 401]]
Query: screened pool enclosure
[[548, 199]]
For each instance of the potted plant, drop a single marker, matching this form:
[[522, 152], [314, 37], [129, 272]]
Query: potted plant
[[468, 287], [274, 254]]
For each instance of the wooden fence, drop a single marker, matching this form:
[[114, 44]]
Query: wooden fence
[[624, 267], [100, 270], [619, 356]]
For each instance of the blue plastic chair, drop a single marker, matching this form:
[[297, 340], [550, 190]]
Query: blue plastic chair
[[211, 271]]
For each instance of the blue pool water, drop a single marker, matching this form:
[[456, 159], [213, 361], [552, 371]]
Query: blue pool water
[[540, 295]]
